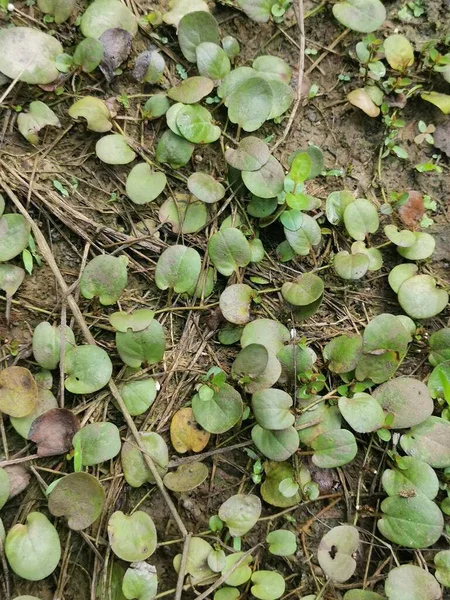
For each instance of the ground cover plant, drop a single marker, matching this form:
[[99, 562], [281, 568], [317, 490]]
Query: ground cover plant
[[224, 277]]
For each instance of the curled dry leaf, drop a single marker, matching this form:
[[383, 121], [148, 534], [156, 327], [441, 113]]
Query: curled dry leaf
[[412, 210], [18, 391], [186, 434], [53, 431], [117, 45], [442, 137], [362, 100], [19, 479]]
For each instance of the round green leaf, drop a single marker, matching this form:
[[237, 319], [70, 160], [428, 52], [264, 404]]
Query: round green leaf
[[47, 344], [144, 185], [205, 188], [251, 362], [334, 449], [235, 303], [412, 477], [409, 582], [88, 55], [156, 106], [18, 391], [362, 412], [351, 266], [138, 396], [195, 28], [303, 291], [228, 250], [240, 513], [267, 585], [360, 15], [186, 477], [89, 369], [114, 150], [140, 581], [266, 379], [414, 522], [135, 469], [329, 417], [404, 238], [420, 298], [442, 564], [79, 497], [191, 90], [11, 278], [429, 441], [305, 236], [179, 8], [271, 408], [5, 488], [194, 123], [33, 550], [267, 181], [398, 52], [277, 472], [282, 97], [231, 46], [439, 381], [360, 595], [29, 55], [271, 334], [250, 104], [373, 254], [343, 353], [360, 218], [282, 542], [336, 551], [336, 204], [439, 346], [174, 150], [197, 561], [294, 359], [132, 538], [95, 111], [273, 67], [400, 274], [97, 442], [406, 399], [105, 277], [146, 346], [276, 445], [217, 560], [251, 154], [107, 14], [14, 234], [212, 61], [61, 10], [137, 320], [240, 575], [422, 248], [220, 412], [184, 213], [178, 268], [38, 117]]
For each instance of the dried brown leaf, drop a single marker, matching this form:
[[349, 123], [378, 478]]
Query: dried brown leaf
[[53, 431]]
